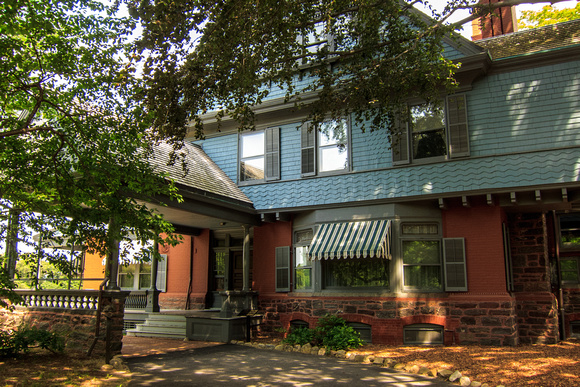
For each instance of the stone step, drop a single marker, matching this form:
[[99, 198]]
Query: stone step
[[160, 325]]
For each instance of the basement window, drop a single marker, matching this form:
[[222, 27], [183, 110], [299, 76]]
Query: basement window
[[575, 329], [423, 334], [364, 330]]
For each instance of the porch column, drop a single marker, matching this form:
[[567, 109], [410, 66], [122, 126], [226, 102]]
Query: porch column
[[153, 293], [113, 265], [12, 242], [246, 258], [113, 258]]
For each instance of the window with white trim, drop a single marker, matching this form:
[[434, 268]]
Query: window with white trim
[[421, 251], [316, 42], [137, 276], [325, 150], [303, 279], [259, 156], [432, 132]]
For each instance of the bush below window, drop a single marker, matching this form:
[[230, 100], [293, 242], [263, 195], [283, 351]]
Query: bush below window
[[331, 332]]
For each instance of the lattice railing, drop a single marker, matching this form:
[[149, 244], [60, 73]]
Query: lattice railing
[[136, 300]]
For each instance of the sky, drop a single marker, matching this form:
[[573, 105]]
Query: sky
[[440, 4]]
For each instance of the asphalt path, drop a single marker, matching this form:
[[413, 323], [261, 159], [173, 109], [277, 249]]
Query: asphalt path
[[237, 365]]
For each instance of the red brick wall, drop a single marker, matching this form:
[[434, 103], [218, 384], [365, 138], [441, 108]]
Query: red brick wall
[[178, 273], [266, 239], [481, 226]]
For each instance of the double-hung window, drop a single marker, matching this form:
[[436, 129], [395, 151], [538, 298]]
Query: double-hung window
[[137, 276], [432, 263], [315, 42], [421, 250], [303, 279], [325, 150], [432, 132], [260, 156], [570, 246]]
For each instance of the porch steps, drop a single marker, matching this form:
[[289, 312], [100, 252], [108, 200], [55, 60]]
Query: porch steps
[[161, 325]]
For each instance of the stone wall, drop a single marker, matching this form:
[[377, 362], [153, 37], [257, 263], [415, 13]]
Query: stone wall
[[537, 310], [55, 312], [464, 321]]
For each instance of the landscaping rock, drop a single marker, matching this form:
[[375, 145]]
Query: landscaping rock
[[341, 354], [279, 347], [414, 369], [444, 373], [475, 384], [455, 376], [379, 360], [359, 358], [423, 371], [322, 352], [399, 366], [306, 348], [464, 381]]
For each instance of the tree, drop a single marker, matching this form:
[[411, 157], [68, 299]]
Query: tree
[[362, 58], [547, 15], [75, 146]]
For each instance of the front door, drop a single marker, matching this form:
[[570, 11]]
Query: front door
[[237, 272]]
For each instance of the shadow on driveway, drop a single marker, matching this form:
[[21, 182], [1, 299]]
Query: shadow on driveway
[[237, 365]]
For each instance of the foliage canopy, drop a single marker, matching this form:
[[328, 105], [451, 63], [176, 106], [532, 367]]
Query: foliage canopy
[[75, 145]]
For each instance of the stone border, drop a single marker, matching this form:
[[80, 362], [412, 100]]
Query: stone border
[[445, 374]]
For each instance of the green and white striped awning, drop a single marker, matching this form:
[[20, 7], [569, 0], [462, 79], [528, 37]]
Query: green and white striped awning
[[352, 240]]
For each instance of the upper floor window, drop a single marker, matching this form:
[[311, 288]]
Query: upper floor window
[[315, 42], [260, 156], [432, 132], [325, 150]]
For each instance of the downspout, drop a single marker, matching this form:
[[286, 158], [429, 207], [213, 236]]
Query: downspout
[[189, 286], [561, 325]]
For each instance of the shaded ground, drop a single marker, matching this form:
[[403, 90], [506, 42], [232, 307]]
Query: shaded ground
[[536, 365], [241, 366]]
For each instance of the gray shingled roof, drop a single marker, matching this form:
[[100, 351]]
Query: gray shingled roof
[[200, 174], [529, 41]]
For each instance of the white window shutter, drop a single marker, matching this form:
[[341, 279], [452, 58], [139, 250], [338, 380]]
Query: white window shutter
[[458, 134], [283, 269], [308, 150], [162, 273], [400, 141], [454, 264], [272, 157]]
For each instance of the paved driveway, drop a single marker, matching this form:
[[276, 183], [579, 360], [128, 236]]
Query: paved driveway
[[237, 365]]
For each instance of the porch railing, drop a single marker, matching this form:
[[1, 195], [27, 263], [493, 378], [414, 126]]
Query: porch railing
[[136, 300], [65, 299]]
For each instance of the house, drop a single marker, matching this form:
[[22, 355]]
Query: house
[[465, 231]]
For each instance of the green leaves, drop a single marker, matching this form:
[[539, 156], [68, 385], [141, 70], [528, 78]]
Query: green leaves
[[73, 139], [363, 58]]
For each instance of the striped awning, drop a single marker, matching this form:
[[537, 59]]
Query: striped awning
[[352, 240]]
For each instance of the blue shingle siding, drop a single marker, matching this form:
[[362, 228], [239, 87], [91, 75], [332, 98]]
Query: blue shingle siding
[[370, 150], [508, 171], [525, 110], [223, 150]]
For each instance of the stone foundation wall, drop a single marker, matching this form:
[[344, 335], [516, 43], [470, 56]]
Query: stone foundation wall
[[571, 307], [77, 326], [178, 301], [464, 322], [537, 311], [485, 323]]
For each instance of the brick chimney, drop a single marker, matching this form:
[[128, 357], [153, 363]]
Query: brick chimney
[[501, 21]]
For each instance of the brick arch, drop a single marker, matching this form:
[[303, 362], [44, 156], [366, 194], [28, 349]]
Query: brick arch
[[426, 319], [286, 319], [358, 318]]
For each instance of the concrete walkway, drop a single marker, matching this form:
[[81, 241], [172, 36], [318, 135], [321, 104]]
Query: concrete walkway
[[237, 365]]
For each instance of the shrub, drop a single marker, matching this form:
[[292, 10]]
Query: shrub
[[300, 336], [24, 338], [342, 337]]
